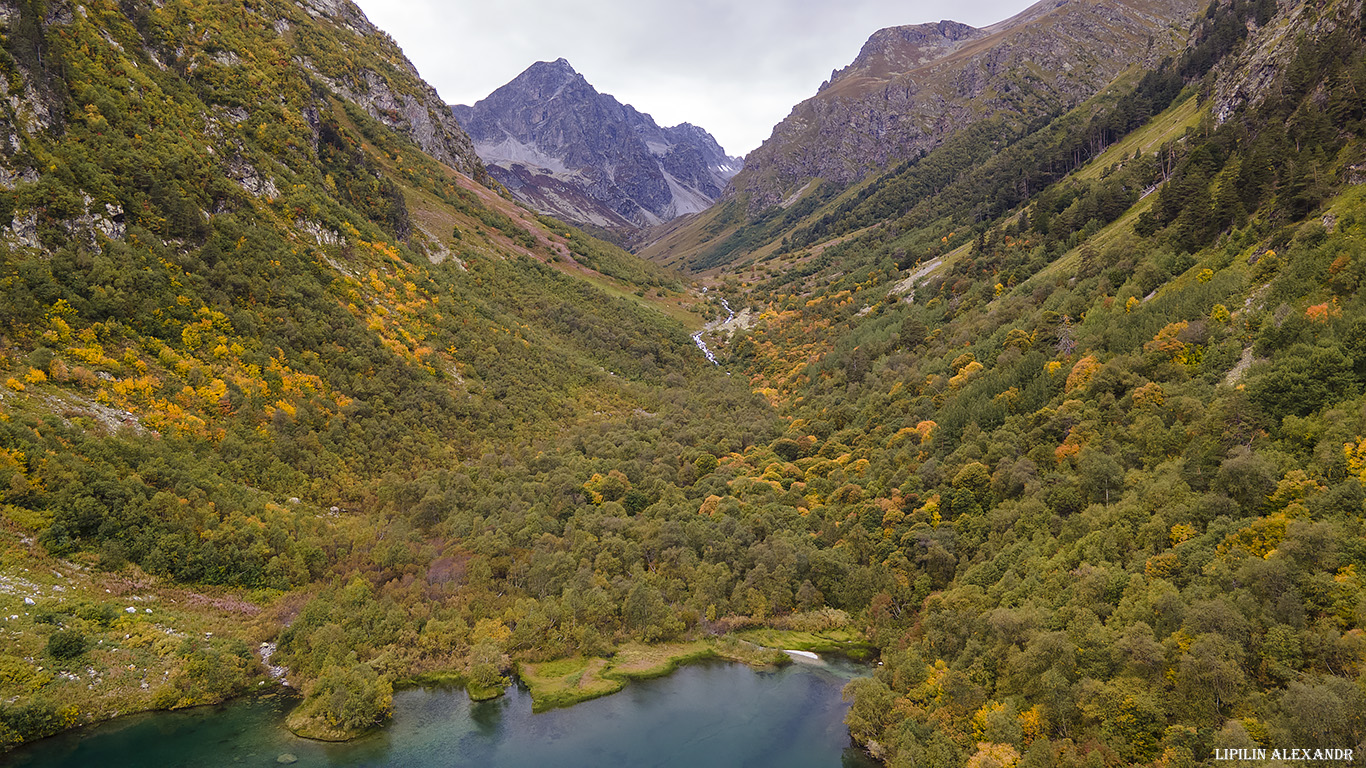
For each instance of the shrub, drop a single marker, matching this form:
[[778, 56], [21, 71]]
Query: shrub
[[66, 644]]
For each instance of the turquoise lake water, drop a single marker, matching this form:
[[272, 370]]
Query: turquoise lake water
[[711, 714]]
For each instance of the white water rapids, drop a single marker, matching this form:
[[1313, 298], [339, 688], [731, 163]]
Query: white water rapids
[[697, 337]]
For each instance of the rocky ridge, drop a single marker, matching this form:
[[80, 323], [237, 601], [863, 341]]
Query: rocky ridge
[[912, 86], [396, 94], [565, 149]]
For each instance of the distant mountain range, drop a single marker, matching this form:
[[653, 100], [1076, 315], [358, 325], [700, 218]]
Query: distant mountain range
[[565, 149]]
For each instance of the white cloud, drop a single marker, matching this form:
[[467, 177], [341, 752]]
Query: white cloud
[[734, 68]]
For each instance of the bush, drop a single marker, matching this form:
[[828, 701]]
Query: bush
[[100, 613], [66, 644], [353, 698], [33, 720]]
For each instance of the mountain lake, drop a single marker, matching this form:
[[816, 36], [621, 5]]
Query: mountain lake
[[710, 714]]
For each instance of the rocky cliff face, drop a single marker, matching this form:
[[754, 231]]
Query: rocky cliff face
[[565, 149], [1271, 47], [912, 86], [391, 90]]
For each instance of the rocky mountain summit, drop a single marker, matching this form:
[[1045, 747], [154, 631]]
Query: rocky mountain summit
[[565, 149], [910, 87]]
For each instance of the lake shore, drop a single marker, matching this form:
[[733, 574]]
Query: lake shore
[[704, 713], [565, 682], [843, 642]]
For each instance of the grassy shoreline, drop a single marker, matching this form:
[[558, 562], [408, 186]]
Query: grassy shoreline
[[565, 682], [844, 642]]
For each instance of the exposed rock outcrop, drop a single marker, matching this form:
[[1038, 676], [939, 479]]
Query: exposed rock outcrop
[[399, 98], [1269, 50]]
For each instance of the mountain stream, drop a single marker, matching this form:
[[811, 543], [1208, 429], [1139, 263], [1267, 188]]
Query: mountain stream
[[697, 337]]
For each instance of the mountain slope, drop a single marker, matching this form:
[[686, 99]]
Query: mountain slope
[[245, 338], [1091, 398], [912, 87], [564, 149]]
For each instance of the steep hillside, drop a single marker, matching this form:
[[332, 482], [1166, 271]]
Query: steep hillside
[[566, 150], [244, 339], [912, 87], [1089, 401]]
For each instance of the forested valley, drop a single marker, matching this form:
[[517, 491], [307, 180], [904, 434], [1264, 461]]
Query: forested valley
[[1064, 421]]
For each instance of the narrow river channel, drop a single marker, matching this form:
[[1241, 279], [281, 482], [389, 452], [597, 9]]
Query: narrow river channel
[[697, 337]]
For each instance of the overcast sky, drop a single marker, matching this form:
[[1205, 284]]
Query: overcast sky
[[734, 67]]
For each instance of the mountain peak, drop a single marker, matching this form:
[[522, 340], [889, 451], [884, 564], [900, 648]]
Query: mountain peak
[[565, 149], [548, 77], [900, 48], [558, 65]]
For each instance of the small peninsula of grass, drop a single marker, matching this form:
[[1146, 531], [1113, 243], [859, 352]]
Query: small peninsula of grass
[[432, 679], [315, 728], [564, 682], [484, 693], [843, 641]]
